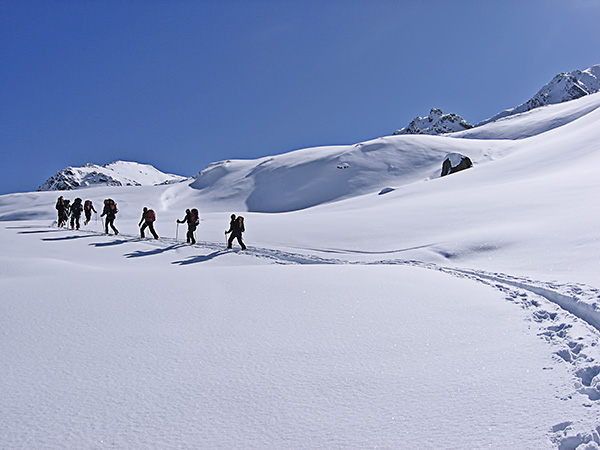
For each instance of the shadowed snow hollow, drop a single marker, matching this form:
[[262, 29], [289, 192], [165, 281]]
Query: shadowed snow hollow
[[309, 177]]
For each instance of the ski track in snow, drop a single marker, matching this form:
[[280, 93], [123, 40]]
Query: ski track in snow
[[566, 315]]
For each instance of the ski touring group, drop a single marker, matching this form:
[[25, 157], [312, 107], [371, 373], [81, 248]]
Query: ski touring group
[[73, 211], [69, 214]]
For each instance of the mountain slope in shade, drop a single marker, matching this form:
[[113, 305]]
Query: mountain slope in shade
[[312, 176]]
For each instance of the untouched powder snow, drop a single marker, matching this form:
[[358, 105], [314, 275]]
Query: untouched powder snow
[[450, 313], [143, 344]]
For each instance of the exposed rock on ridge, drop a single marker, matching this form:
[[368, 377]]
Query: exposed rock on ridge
[[436, 123]]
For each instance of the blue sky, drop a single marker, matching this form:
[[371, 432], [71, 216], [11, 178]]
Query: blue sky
[[180, 84]]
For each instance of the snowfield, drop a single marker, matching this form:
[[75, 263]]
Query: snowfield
[[460, 312]]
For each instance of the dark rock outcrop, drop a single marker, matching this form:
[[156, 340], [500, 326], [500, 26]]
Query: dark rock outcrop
[[455, 162]]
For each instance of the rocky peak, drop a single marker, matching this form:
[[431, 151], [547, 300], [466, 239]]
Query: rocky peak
[[436, 123]]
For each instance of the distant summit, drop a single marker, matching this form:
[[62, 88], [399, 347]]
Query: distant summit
[[436, 123], [562, 88], [119, 173]]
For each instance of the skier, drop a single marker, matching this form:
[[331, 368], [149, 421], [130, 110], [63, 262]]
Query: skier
[[110, 211], [88, 207], [60, 207], [192, 220], [67, 211], [148, 218], [76, 213], [236, 228]]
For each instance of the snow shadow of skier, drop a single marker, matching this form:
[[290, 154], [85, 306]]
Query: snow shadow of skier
[[67, 238], [157, 251], [200, 258], [41, 231], [112, 243]]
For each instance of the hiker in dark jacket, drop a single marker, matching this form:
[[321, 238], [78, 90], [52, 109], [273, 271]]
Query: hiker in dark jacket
[[76, 209], [88, 207], [236, 228], [67, 210], [60, 208], [192, 219], [110, 211], [148, 218]]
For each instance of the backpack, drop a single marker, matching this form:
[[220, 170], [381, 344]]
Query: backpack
[[194, 216], [241, 222], [76, 207], [112, 206], [87, 205], [150, 216]]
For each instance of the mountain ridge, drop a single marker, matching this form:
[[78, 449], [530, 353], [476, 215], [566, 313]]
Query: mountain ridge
[[564, 87], [117, 173]]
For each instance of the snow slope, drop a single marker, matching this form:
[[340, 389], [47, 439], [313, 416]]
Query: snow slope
[[535, 121], [309, 177], [456, 312]]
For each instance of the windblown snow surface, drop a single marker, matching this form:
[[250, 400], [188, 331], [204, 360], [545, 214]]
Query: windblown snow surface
[[448, 313]]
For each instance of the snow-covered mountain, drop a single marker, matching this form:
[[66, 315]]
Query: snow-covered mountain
[[119, 173], [436, 123], [562, 88]]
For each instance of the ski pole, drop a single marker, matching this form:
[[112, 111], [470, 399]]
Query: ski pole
[[177, 233]]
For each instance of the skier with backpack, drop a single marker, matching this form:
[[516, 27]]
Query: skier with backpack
[[66, 211], [236, 228], [148, 218], [62, 213], [110, 211], [88, 207], [192, 219], [76, 209]]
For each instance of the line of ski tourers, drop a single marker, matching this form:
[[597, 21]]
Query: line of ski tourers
[[70, 214]]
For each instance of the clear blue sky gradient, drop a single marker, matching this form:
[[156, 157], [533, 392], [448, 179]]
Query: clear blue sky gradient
[[180, 84]]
